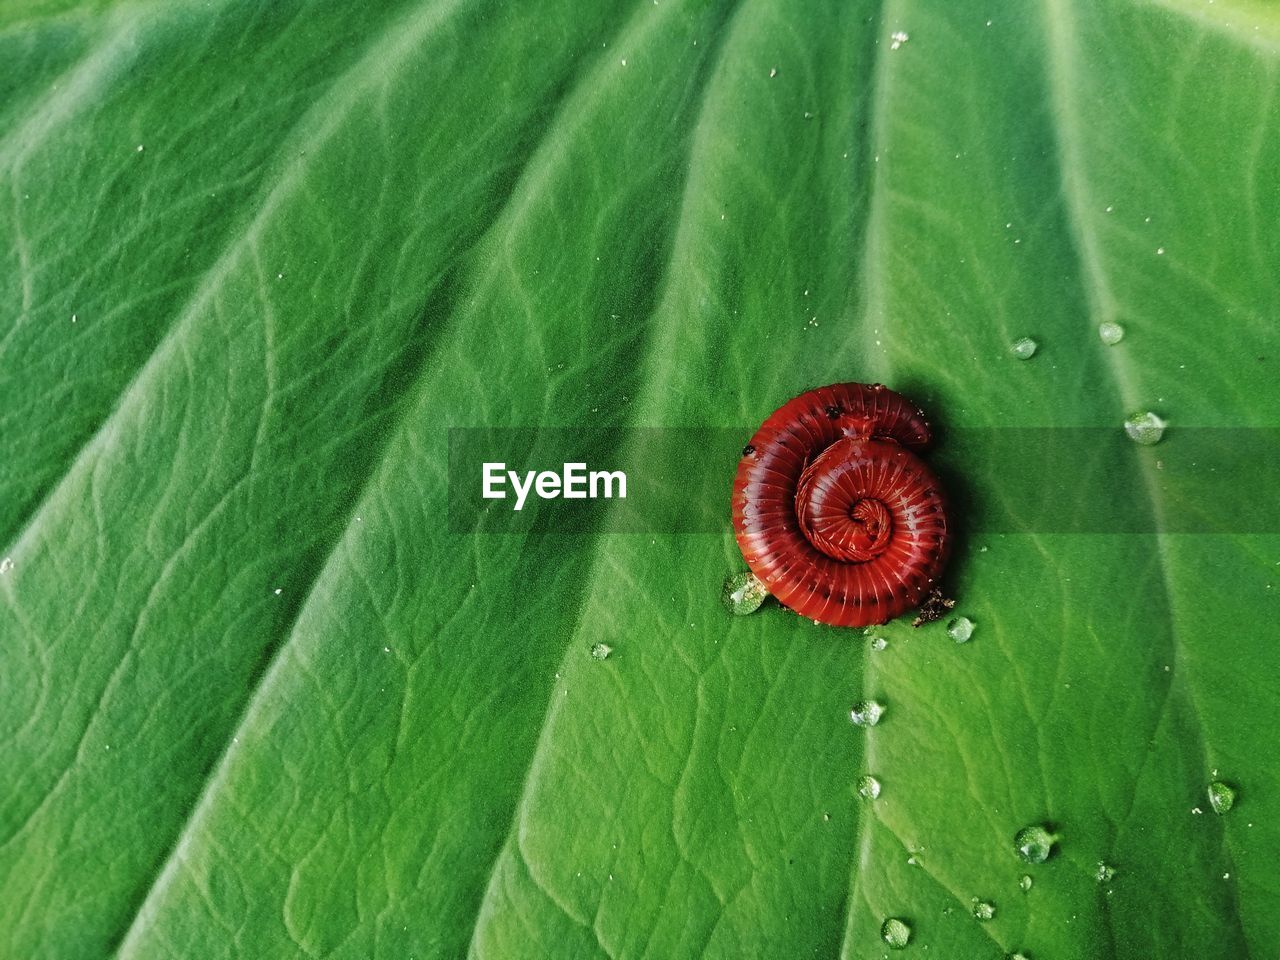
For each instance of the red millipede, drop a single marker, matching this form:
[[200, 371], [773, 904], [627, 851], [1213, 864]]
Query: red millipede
[[835, 512]]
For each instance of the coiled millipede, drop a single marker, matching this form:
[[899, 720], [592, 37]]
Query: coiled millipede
[[835, 511]]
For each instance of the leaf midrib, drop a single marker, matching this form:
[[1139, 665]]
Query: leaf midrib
[[711, 64]]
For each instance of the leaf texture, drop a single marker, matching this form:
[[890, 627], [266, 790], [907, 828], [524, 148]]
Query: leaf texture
[[261, 701]]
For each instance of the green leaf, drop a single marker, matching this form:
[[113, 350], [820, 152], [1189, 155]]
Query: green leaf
[[262, 700]]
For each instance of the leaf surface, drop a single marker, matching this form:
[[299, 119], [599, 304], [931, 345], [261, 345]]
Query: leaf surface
[[262, 700]]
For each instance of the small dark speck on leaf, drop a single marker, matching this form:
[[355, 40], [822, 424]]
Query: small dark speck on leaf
[[935, 607]]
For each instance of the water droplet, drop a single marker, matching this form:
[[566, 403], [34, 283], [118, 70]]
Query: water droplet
[[1222, 796], [773, 72], [983, 909], [1105, 872], [879, 643], [6, 565], [1025, 882], [743, 593], [1024, 349], [1034, 843], [866, 713], [895, 933], [960, 629], [601, 651], [1017, 956], [1144, 428], [1110, 333], [899, 37], [868, 787]]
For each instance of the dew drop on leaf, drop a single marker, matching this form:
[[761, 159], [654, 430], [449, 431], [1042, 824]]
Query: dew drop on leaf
[[983, 909], [1222, 797], [6, 565], [1017, 956], [1034, 843], [868, 787], [1025, 882], [866, 713], [960, 629], [1023, 348], [1144, 428], [1105, 872], [895, 933], [601, 651], [743, 593], [879, 643], [1110, 333]]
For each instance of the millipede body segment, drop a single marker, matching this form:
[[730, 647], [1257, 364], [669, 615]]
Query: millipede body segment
[[834, 509]]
